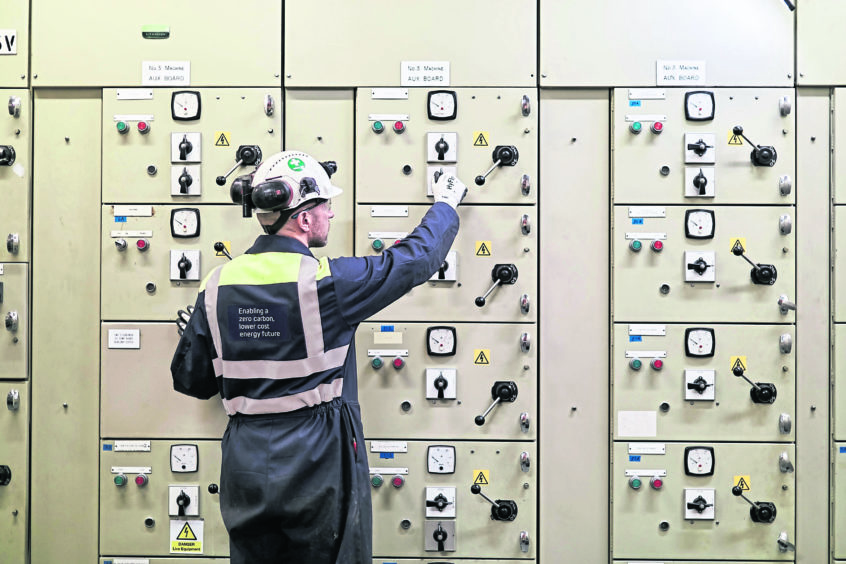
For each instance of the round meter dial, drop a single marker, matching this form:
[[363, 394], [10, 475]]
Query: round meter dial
[[185, 222]]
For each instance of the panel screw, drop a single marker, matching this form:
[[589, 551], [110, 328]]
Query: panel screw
[[270, 130], [813, 408], [67, 139], [525, 485], [65, 405]]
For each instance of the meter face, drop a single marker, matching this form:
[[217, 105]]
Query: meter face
[[442, 105], [184, 458], [185, 105], [699, 461], [699, 106], [441, 459], [185, 222], [440, 341], [699, 224], [699, 342]]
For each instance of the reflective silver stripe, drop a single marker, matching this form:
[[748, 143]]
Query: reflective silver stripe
[[310, 306], [321, 394], [285, 369], [211, 316]]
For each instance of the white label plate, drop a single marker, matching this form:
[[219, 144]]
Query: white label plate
[[637, 423], [387, 352], [116, 234], [8, 42], [134, 94], [124, 338], [130, 561], [394, 235], [132, 470], [647, 448], [388, 446], [424, 73], [389, 93], [403, 471], [388, 211], [132, 446], [133, 211], [648, 330], [648, 118], [679, 72], [166, 73], [387, 117], [647, 94], [642, 354], [647, 211], [646, 473], [134, 117], [652, 236]]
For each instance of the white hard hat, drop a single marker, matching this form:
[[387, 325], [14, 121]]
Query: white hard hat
[[289, 179]]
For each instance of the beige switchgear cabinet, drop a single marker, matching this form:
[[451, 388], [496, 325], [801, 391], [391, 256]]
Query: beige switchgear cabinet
[[149, 167], [397, 380], [665, 522], [14, 43], [15, 174], [489, 236], [729, 43], [14, 471], [397, 167], [682, 376], [661, 156], [14, 309], [407, 474], [482, 42], [819, 43], [138, 498], [117, 44], [136, 387]]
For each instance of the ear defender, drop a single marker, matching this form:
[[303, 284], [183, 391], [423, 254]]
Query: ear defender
[[272, 195]]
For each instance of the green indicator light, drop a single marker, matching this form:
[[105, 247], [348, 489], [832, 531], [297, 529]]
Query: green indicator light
[[120, 480], [636, 127], [378, 245], [376, 363], [636, 246], [377, 481], [122, 127], [635, 483], [378, 126], [635, 364]]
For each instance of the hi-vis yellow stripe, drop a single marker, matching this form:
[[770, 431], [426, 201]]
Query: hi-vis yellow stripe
[[266, 268]]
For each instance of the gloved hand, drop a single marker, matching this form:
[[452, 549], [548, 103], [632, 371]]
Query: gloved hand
[[448, 189], [182, 319]]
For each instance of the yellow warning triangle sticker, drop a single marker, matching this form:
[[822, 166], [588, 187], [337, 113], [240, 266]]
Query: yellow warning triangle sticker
[[222, 141], [480, 141], [738, 247], [481, 480], [735, 140], [743, 484], [738, 364], [483, 250], [186, 533], [482, 358]]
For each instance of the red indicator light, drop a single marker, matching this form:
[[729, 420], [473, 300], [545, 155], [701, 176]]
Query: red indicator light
[[657, 246], [657, 364], [656, 483], [143, 127], [398, 363], [141, 480], [399, 126], [142, 244], [397, 481], [657, 127]]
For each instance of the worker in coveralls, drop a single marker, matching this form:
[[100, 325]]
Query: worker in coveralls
[[273, 332]]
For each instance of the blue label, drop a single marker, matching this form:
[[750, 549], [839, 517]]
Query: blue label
[[387, 328], [637, 221], [635, 103], [386, 455], [107, 562], [635, 339], [107, 447], [842, 450], [634, 458], [120, 219]]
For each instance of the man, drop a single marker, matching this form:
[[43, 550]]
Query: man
[[273, 332]]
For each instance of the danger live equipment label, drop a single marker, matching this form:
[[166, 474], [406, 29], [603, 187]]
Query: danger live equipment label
[[186, 537]]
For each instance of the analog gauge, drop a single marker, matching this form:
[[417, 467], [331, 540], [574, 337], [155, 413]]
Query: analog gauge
[[185, 105], [183, 458], [699, 106], [441, 459], [440, 341], [442, 105], [699, 342], [699, 461], [699, 224], [185, 222]]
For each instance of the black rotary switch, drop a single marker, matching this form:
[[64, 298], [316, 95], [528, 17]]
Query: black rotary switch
[[501, 391], [441, 147], [185, 147], [699, 266], [700, 147], [440, 502], [182, 501], [763, 274], [699, 385], [501, 509], [185, 181], [762, 155], [5, 475], [7, 155], [442, 270], [700, 504], [700, 182], [441, 384], [246, 155], [184, 266], [440, 536], [761, 511], [761, 392]]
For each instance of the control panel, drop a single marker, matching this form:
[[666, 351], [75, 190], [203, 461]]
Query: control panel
[[704, 382], [14, 308], [727, 500], [704, 147], [493, 273], [15, 173], [155, 44], [135, 383], [166, 145], [453, 499], [415, 46], [461, 381], [160, 498], [14, 470], [655, 52], [486, 136]]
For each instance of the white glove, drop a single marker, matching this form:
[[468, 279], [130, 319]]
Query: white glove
[[182, 319], [448, 189]]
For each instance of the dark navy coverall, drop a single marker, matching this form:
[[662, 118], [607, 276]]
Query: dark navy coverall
[[294, 475]]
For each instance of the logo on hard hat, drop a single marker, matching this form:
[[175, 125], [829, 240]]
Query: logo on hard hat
[[296, 164]]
